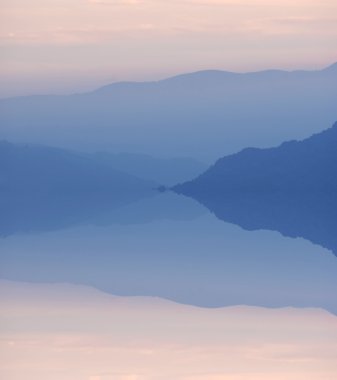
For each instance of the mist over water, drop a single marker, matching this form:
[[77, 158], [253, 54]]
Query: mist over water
[[167, 246], [123, 248]]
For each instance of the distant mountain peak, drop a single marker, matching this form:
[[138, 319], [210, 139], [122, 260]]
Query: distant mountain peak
[[202, 74], [331, 68], [206, 75]]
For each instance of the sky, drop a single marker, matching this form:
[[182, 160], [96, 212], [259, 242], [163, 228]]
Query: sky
[[64, 46], [65, 332]]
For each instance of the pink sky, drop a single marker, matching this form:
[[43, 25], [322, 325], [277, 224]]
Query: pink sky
[[65, 45], [64, 332]]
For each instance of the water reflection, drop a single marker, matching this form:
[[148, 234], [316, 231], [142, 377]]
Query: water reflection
[[169, 246], [310, 215], [62, 332], [33, 214]]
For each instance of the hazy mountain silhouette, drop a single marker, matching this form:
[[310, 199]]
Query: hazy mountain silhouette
[[291, 189], [164, 171], [44, 188], [149, 249], [39, 169], [221, 112]]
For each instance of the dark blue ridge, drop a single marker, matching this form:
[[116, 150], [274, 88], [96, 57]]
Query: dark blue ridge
[[291, 189]]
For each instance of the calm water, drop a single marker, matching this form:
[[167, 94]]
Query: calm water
[[168, 246], [213, 301]]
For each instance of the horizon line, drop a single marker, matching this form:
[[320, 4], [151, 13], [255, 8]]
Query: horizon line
[[170, 77]]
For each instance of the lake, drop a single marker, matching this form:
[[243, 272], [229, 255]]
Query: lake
[[161, 288]]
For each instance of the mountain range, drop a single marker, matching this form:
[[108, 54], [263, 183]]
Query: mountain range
[[44, 188], [27, 169], [202, 115]]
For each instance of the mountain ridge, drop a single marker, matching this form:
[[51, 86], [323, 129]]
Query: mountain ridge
[[290, 189], [323, 143], [225, 74], [201, 115], [216, 74]]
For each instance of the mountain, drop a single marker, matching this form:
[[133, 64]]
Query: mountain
[[165, 171], [308, 165], [291, 189], [202, 115], [40, 169], [44, 188]]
